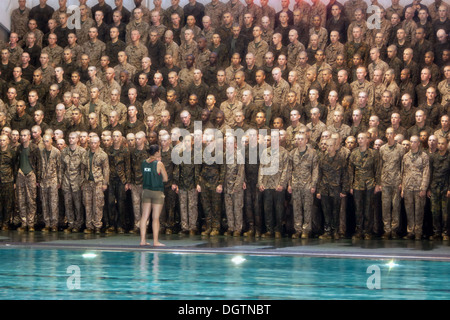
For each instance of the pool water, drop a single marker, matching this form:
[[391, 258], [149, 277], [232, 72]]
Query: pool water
[[94, 275]]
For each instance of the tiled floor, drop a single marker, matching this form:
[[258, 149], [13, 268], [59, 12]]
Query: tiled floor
[[344, 248]]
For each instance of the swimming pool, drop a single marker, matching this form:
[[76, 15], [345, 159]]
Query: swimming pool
[[94, 275]]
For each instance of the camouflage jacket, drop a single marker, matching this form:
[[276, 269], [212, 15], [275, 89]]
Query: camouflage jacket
[[234, 176], [304, 168], [166, 158], [364, 170], [270, 176], [137, 156], [440, 171], [186, 174], [8, 166], [391, 165], [212, 173], [50, 167], [119, 162], [100, 167], [415, 171], [71, 177], [332, 175]]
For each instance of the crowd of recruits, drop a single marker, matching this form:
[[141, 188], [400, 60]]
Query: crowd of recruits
[[310, 92]]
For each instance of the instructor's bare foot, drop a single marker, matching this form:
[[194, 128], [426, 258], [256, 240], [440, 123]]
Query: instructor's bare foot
[[159, 244], [144, 244]]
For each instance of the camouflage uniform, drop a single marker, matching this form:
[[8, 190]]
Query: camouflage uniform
[[215, 12], [55, 55], [125, 67], [135, 54], [415, 178], [234, 195], [173, 49], [154, 109], [119, 176], [229, 111], [93, 196], [81, 89], [49, 182], [304, 177], [332, 51], [350, 48], [444, 90], [47, 75], [272, 198], [293, 50], [367, 87], [186, 177], [26, 185], [71, 183], [185, 49], [137, 156], [19, 21], [237, 10], [316, 130], [439, 186], [93, 107], [143, 28], [364, 174], [8, 171], [230, 73], [15, 55], [96, 83], [168, 212], [95, 50], [106, 110], [83, 33], [210, 177], [332, 181], [186, 77], [351, 6], [280, 91], [390, 165], [259, 50], [108, 88]]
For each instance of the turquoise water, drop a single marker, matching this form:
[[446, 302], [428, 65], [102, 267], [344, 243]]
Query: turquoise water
[[52, 274]]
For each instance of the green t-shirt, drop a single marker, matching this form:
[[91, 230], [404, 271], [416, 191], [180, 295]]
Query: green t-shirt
[[152, 180], [24, 161]]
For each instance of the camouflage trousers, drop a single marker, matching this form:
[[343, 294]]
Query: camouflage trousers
[[168, 212], [116, 204], [6, 203], [212, 207], [253, 207], [331, 208], [72, 203], [273, 203], [50, 209], [26, 198], [414, 207], [302, 204], [136, 199], [188, 209], [94, 200], [439, 211], [234, 203], [391, 206], [364, 211]]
